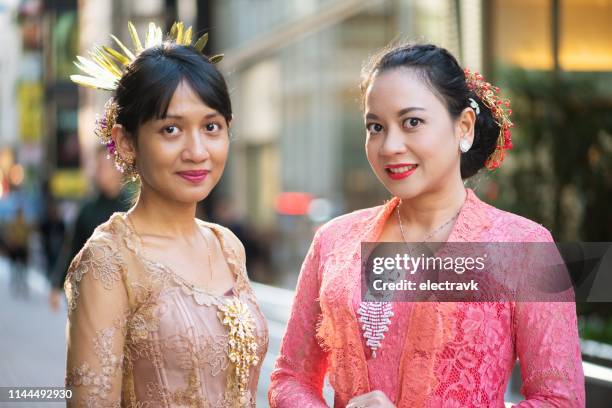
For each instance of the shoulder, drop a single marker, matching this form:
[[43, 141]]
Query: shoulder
[[102, 250], [508, 226], [104, 234], [226, 234], [109, 232], [99, 260], [347, 225]]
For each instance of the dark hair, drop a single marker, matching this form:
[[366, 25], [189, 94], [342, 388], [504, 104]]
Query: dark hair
[[441, 71], [145, 90]]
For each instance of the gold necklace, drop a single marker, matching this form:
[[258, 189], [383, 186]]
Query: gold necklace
[[210, 265], [401, 227], [187, 283], [431, 234]]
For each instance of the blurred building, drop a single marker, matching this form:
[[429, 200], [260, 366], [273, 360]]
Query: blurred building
[[21, 97], [294, 71], [293, 66]]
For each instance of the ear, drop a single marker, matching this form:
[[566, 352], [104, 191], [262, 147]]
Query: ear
[[123, 142], [465, 125]]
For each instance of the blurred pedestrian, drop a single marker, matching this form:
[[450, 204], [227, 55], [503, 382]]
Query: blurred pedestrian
[[108, 198], [224, 212], [52, 231], [17, 237]]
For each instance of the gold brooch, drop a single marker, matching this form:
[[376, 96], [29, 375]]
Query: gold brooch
[[236, 316]]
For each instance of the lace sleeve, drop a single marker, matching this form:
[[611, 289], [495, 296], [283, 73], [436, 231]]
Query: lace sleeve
[[548, 349], [297, 379], [97, 301]]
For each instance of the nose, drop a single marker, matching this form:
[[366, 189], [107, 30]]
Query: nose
[[196, 149], [394, 143]]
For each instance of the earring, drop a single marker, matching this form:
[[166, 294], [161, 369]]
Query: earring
[[126, 166], [464, 145]]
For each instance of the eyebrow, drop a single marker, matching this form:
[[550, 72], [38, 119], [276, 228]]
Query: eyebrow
[[207, 116], [400, 113], [404, 111]]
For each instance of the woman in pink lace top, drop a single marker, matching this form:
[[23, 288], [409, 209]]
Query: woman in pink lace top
[[430, 126]]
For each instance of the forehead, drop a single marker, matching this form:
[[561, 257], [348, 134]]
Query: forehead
[[186, 100], [399, 88]]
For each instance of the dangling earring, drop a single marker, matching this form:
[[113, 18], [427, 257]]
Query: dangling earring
[[464, 145], [126, 166]]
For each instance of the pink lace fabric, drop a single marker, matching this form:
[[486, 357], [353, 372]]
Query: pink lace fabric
[[439, 354]]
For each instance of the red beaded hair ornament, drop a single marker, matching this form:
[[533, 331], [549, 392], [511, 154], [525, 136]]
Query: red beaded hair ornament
[[500, 109]]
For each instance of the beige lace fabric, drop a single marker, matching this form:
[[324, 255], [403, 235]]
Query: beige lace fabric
[[141, 336]]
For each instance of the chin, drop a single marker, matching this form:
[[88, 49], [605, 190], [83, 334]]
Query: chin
[[189, 196], [405, 192]]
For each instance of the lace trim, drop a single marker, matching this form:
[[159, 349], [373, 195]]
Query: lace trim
[[95, 261], [98, 381], [201, 295]]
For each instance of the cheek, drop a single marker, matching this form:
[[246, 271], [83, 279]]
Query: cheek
[[155, 156], [218, 150], [439, 142], [371, 149]]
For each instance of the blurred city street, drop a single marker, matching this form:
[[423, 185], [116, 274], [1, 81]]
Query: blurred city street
[[32, 337], [296, 141]]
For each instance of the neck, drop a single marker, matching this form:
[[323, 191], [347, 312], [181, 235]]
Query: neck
[[156, 215], [424, 213]]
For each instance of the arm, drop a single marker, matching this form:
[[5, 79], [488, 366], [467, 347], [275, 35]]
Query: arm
[[98, 305], [297, 379], [548, 348]]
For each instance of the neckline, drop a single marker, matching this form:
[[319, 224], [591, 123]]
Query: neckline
[[177, 277], [387, 210]]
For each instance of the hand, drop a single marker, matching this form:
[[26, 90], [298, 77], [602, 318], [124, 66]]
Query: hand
[[55, 297], [374, 399]]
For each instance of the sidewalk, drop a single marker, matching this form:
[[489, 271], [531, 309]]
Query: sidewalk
[[32, 339]]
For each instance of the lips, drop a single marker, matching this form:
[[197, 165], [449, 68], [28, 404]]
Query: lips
[[400, 171], [194, 176]]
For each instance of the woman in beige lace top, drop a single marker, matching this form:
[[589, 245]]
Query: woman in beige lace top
[[161, 313]]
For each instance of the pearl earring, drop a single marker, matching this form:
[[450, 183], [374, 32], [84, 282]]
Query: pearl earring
[[464, 145]]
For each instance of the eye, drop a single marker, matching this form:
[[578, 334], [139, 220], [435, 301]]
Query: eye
[[213, 127], [374, 128], [412, 122], [170, 130]]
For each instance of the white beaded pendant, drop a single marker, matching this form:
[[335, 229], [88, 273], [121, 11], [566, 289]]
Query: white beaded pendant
[[375, 319]]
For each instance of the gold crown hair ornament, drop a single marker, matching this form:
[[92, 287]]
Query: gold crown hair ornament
[[500, 109], [106, 65]]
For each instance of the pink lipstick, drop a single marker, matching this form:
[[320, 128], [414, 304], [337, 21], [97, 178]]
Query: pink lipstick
[[194, 176]]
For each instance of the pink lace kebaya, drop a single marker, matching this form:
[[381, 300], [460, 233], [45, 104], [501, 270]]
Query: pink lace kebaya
[[435, 354]]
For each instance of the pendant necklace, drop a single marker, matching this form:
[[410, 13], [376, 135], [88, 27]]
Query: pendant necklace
[[375, 317]]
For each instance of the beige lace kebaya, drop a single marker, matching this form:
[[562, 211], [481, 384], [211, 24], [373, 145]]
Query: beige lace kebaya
[[139, 335]]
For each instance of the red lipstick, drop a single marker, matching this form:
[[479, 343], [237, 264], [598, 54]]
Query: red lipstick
[[400, 171]]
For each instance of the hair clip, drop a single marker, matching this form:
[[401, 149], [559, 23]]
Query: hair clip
[[474, 105]]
